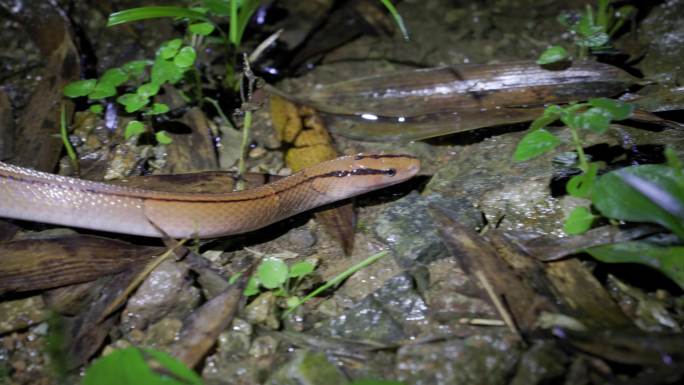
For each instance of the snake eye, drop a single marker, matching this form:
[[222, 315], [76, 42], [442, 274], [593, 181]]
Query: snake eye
[[392, 172]]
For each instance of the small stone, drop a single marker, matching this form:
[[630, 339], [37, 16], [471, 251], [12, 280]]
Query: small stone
[[257, 152]]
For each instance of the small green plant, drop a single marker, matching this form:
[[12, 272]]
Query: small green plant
[[142, 80], [274, 274], [652, 193], [595, 115], [133, 366], [592, 30]]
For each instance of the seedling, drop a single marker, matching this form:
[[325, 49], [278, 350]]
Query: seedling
[[651, 193], [592, 30], [273, 274], [595, 115]]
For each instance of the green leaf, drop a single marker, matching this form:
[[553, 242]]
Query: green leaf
[[134, 366], [252, 287], [594, 119], [79, 88], [96, 108], [617, 109], [668, 260], [133, 128], [101, 91], [397, 18], [148, 89], [135, 67], [163, 137], [185, 58], [552, 55], [654, 196], [170, 48], [581, 186], [203, 29], [272, 273], [132, 102], [114, 77], [301, 269], [165, 71], [593, 41], [144, 13], [550, 115], [578, 221], [534, 144], [158, 108]]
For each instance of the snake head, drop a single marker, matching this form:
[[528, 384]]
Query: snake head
[[349, 176]]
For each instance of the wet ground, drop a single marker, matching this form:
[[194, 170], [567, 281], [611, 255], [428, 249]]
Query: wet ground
[[419, 315]]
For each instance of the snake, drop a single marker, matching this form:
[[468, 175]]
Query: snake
[[31, 195]]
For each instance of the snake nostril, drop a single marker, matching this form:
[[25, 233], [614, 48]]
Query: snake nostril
[[392, 172]]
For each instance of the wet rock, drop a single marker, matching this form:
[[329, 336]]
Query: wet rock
[[308, 368], [263, 311], [394, 312], [21, 313], [407, 228], [263, 346], [452, 295], [662, 32], [162, 334], [482, 359], [301, 238], [165, 293], [541, 364]]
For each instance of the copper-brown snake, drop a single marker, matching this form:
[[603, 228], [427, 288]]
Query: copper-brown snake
[[41, 197]]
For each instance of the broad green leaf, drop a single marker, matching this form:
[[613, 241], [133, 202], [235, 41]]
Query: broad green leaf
[[148, 89], [552, 55], [617, 109], [252, 287], [132, 102], [582, 185], [135, 67], [144, 13], [550, 115], [594, 119], [593, 41], [134, 366], [79, 88], [170, 48], [578, 221], [165, 71], [272, 273], [96, 108], [301, 269], [172, 365], [534, 144], [163, 137], [158, 108], [616, 197], [668, 260], [203, 29], [133, 128], [114, 77], [101, 91], [185, 58]]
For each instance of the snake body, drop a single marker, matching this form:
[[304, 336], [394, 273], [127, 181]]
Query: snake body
[[41, 197]]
